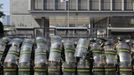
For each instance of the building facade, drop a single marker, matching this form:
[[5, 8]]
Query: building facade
[[43, 13]]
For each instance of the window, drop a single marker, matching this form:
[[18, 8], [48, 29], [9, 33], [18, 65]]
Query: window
[[117, 4], [39, 4], [59, 5], [50, 4], [94, 4], [82, 4], [105, 4], [72, 4], [128, 4]]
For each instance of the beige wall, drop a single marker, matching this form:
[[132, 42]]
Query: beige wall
[[24, 21], [20, 16]]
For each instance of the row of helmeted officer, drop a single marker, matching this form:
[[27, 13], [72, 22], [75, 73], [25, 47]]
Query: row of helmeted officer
[[87, 57]]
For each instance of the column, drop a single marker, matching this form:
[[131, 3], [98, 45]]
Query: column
[[77, 5], [54, 5], [88, 5], [133, 5], [111, 5], [99, 5], [123, 5], [29, 5]]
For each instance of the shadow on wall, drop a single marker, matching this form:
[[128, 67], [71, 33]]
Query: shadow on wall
[[1, 30]]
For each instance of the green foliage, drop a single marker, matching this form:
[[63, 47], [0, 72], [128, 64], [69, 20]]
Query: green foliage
[[1, 12]]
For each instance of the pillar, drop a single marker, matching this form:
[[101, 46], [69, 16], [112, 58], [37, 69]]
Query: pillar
[[88, 5], [29, 4], [65, 6], [123, 5], [54, 3], [133, 5], [111, 5], [77, 5], [99, 5]]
